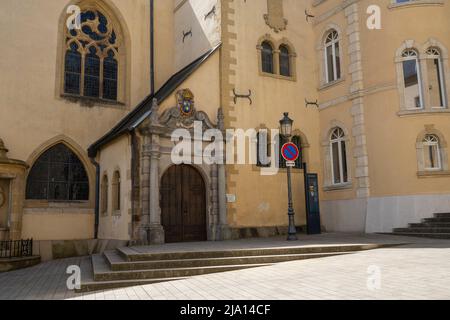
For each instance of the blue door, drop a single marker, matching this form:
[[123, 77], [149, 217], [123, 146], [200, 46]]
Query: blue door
[[312, 204]]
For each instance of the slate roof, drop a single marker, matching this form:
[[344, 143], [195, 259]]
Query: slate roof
[[143, 110]]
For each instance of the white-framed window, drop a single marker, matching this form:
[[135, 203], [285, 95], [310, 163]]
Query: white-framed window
[[436, 76], [412, 78], [332, 57], [432, 153], [338, 149]]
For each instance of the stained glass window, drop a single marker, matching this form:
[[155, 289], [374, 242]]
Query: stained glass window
[[96, 46], [110, 77], [73, 70], [92, 74], [58, 175]]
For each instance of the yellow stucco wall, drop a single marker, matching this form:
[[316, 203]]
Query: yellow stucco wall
[[116, 157]]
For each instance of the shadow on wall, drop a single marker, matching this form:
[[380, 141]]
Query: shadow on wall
[[52, 250]]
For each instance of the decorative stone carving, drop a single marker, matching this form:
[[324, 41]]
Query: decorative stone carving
[[275, 16], [185, 114], [3, 150]]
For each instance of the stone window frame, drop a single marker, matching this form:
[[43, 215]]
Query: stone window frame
[[123, 56], [423, 57], [104, 202], [116, 193], [321, 51], [272, 145], [276, 44], [443, 152], [329, 184], [82, 155]]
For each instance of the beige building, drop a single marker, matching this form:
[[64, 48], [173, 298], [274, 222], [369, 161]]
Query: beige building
[[88, 108]]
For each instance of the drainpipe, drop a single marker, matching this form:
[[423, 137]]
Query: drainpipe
[[152, 50], [97, 197], [133, 181]]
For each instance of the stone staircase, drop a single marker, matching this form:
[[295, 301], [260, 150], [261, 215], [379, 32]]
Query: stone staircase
[[126, 267], [437, 227]]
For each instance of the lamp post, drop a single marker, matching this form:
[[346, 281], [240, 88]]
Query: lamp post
[[286, 131]]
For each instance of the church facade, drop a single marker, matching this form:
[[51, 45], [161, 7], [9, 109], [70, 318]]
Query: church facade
[[92, 92]]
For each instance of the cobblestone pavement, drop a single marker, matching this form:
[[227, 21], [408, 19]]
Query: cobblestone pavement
[[417, 271]]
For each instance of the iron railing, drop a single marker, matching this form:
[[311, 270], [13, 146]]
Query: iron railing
[[16, 248]]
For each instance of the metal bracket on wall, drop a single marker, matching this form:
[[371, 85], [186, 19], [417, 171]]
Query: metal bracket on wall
[[185, 34], [243, 96], [210, 13], [310, 103], [308, 15]]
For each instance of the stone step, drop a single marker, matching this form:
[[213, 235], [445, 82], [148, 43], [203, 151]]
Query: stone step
[[423, 230], [103, 273], [117, 263], [88, 284], [442, 215], [131, 255], [109, 285], [433, 220], [430, 224], [423, 235]]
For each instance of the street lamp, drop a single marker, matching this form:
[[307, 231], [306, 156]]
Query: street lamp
[[286, 131]]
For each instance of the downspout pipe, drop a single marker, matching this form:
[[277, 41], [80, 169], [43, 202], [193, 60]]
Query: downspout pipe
[[97, 197], [152, 46]]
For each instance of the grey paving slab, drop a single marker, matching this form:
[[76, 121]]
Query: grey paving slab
[[419, 270]]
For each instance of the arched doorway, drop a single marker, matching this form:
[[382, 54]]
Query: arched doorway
[[183, 204]]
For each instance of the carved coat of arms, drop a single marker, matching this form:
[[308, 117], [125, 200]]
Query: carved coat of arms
[[185, 99]]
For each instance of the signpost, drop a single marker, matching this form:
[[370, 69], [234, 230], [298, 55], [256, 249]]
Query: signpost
[[290, 153]]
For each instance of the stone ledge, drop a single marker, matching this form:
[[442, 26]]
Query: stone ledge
[[416, 3], [433, 174], [7, 265], [343, 186], [328, 85], [436, 111]]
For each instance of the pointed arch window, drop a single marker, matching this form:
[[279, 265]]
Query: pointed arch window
[[92, 64], [436, 78], [58, 175], [412, 80], [339, 169], [267, 57], [332, 57]]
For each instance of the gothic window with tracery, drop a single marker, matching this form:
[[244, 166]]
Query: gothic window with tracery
[[91, 63], [58, 175]]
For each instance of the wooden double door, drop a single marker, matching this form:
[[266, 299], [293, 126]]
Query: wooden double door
[[183, 205]]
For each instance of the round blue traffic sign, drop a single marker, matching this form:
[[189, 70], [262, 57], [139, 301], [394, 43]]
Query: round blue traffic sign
[[290, 152]]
